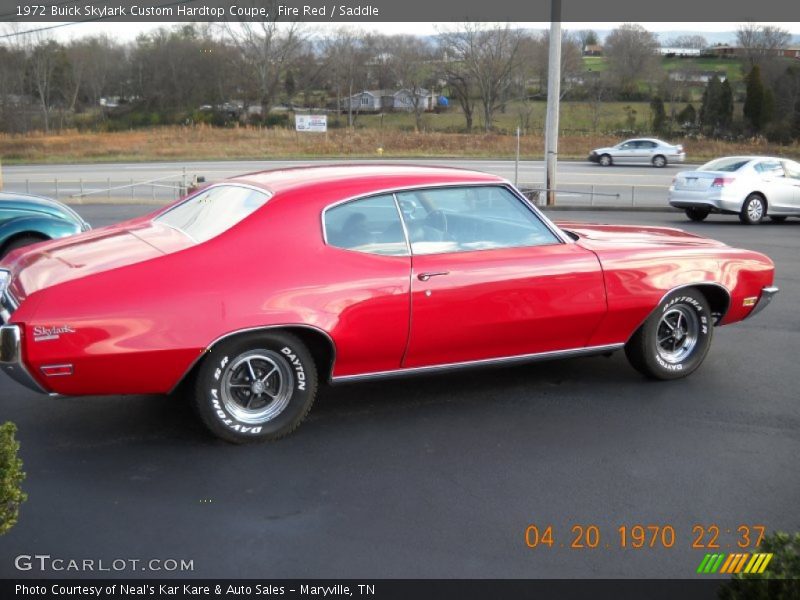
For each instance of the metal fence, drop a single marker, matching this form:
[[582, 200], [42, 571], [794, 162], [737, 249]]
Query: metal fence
[[165, 190]]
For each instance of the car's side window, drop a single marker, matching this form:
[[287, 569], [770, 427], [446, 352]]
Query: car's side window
[[369, 225], [462, 219], [792, 169], [770, 167], [649, 145]]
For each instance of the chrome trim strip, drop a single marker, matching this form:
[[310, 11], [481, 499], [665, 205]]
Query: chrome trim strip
[[208, 347], [11, 358], [520, 358], [767, 294]]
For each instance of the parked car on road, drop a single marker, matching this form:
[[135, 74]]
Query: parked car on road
[[752, 187], [254, 290], [645, 151], [26, 219]]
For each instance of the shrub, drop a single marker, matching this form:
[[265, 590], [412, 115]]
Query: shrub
[[781, 579], [11, 477]]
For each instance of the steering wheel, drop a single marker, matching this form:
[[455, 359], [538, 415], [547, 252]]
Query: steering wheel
[[438, 220]]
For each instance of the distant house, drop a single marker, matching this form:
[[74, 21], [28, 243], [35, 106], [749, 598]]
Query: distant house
[[725, 50], [674, 51], [374, 101], [696, 76], [791, 52], [593, 50]]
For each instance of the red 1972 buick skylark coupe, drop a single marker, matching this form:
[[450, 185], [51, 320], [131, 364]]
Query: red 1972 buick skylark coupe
[[257, 288]]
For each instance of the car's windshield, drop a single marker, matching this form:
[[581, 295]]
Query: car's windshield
[[214, 210], [728, 165]]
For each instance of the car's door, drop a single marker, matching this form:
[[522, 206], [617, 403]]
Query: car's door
[[645, 151], [490, 279], [792, 170], [779, 189], [624, 153], [370, 268]]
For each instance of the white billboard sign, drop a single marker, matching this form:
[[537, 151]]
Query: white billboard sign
[[311, 123]]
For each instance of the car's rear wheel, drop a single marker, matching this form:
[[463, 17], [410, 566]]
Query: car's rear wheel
[[256, 387], [21, 242], [605, 160], [753, 210], [675, 339], [697, 214], [659, 161]]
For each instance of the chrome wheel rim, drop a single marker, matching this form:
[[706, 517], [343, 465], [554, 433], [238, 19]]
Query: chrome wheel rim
[[256, 386], [755, 210], [605, 161], [659, 162], [677, 334]]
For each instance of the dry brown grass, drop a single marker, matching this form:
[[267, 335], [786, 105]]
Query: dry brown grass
[[203, 142]]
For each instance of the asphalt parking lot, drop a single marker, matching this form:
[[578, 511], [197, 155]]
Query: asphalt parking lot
[[437, 476]]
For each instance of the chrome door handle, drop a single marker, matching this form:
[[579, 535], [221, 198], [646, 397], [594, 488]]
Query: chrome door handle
[[426, 276]]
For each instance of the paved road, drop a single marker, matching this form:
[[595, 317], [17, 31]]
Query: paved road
[[626, 185], [437, 476]]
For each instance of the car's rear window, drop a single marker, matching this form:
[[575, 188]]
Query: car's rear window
[[728, 165], [214, 211]]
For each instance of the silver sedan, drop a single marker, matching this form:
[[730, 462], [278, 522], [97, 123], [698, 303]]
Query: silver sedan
[[752, 187], [647, 151]]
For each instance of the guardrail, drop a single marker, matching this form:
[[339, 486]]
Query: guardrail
[[600, 195], [171, 187]]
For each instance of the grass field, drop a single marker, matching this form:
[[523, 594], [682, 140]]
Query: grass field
[[207, 143]]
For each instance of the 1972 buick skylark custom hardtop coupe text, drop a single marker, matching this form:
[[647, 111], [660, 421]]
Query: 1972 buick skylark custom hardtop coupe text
[[256, 288]]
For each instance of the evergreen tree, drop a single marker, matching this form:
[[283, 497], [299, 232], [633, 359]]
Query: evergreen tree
[[754, 101], [687, 115], [711, 108], [726, 105], [659, 115]]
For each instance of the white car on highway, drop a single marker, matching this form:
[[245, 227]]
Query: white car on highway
[[646, 151], [752, 187]]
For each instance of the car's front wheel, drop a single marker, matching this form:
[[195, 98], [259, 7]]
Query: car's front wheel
[[675, 339], [697, 214], [606, 161], [753, 210], [256, 387]]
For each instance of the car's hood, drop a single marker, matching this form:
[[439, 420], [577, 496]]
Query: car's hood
[[57, 261], [627, 236], [605, 150]]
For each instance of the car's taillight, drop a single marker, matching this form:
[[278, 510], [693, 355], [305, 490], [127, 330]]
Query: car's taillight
[[721, 181], [680, 148]]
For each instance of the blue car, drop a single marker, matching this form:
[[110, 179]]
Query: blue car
[[26, 219]]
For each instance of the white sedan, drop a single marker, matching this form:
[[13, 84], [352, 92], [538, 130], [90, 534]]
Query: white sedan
[[644, 151], [752, 187]]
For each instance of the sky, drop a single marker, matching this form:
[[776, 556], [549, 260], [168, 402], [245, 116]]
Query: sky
[[129, 31]]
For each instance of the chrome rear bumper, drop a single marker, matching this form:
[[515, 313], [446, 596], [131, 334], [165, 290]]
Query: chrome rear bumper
[[767, 294], [11, 358]]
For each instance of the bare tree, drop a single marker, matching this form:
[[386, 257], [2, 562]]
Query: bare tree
[[696, 42], [266, 48], [346, 55], [487, 57], [761, 42], [45, 57], [535, 52], [412, 64], [632, 55]]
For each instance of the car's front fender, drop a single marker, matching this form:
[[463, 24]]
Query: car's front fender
[[44, 226]]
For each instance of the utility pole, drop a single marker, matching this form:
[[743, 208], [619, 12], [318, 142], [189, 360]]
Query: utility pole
[[553, 98]]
